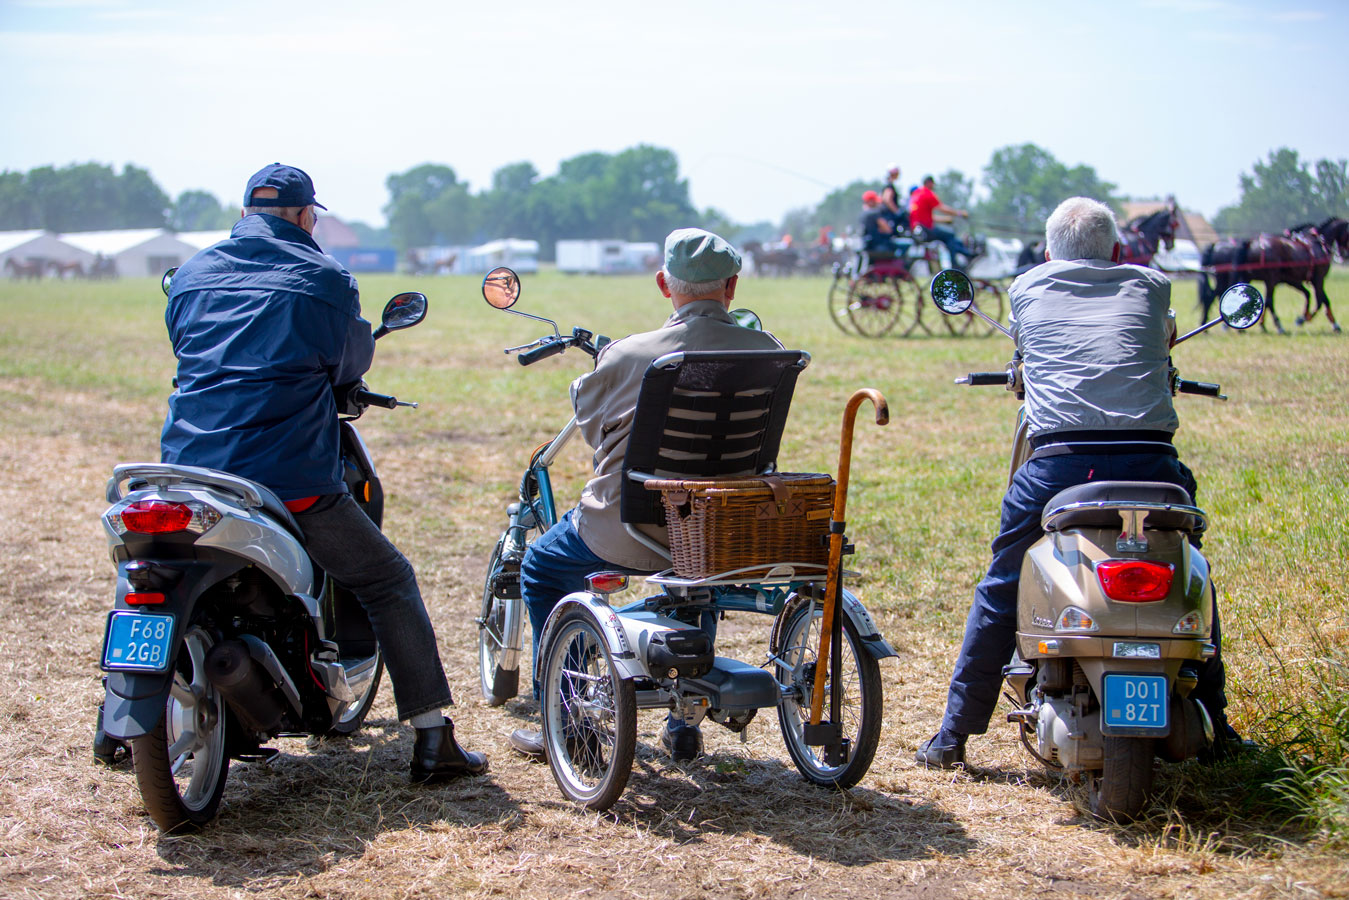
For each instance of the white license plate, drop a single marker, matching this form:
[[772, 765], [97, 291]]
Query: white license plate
[[137, 642], [1135, 704]]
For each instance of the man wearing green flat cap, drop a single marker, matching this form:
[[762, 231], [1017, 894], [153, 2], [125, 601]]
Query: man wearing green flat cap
[[699, 279]]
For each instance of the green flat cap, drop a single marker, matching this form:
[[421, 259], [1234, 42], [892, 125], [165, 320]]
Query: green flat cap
[[694, 255]]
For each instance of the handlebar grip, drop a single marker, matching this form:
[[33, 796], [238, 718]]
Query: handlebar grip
[[369, 398], [980, 378], [1203, 388], [552, 348]]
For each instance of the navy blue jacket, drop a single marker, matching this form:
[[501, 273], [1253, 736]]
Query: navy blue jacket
[[264, 324]]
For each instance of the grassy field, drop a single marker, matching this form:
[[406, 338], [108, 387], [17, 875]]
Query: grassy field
[[84, 372]]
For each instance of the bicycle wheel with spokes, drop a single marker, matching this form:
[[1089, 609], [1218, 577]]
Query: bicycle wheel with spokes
[[860, 710], [876, 306], [589, 713], [989, 298], [498, 683]]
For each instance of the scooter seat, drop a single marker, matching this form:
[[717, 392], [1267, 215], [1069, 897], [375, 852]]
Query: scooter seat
[[1097, 504]]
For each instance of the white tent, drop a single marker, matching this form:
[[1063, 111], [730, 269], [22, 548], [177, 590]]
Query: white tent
[[134, 252], [520, 255], [203, 239]]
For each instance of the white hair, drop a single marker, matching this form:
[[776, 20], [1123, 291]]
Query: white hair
[[693, 288], [1081, 228], [290, 213]]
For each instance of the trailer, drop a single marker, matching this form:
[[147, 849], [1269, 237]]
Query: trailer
[[607, 257]]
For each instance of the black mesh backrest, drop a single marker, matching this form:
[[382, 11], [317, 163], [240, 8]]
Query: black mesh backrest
[[707, 414]]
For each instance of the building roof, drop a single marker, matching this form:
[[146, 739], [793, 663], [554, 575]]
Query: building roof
[[202, 239], [1193, 226], [111, 243], [11, 239]]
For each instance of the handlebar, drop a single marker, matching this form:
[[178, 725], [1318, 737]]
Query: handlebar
[[1202, 388], [984, 378], [543, 351]]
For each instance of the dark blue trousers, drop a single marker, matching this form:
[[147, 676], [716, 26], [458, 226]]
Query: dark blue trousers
[[990, 630]]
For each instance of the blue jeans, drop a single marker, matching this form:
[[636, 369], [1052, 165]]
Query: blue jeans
[[343, 541], [953, 244], [990, 630], [556, 565]]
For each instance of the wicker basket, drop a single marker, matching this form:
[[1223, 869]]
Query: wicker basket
[[717, 525]]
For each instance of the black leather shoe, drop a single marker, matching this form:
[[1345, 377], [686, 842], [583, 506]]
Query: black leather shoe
[[944, 750], [530, 743], [684, 742], [437, 756]]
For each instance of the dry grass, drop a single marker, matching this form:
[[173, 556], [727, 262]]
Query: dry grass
[[83, 372]]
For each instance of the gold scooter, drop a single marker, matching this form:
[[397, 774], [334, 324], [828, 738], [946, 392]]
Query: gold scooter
[[1114, 608]]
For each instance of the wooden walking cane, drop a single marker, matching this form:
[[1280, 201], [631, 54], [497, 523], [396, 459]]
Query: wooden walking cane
[[830, 625]]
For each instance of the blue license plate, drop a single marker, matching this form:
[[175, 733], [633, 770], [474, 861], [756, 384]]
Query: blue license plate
[[137, 642], [1135, 704]]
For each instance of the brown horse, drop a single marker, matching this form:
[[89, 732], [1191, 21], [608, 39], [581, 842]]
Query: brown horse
[[58, 269], [1140, 237], [1297, 257], [29, 269]]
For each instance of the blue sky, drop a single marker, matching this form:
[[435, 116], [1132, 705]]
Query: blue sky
[[767, 104]]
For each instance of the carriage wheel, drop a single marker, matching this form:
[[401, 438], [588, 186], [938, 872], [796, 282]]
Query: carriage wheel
[[839, 291], [876, 306], [991, 302]]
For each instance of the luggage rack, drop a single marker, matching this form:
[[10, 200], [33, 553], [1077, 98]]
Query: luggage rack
[[768, 573]]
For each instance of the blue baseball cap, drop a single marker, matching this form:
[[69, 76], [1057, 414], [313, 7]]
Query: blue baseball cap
[[293, 187]]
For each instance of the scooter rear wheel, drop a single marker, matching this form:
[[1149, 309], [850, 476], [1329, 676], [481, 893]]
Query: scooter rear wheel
[[181, 765], [1121, 790], [589, 713]]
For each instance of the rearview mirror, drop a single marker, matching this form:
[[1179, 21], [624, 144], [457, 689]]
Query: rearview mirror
[[747, 318], [167, 280], [1241, 306], [402, 311], [501, 288], [952, 291]]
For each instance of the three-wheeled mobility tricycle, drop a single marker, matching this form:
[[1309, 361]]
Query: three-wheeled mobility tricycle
[[768, 543]]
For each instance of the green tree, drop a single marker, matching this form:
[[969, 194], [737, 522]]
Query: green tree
[[1025, 183], [82, 197], [841, 208], [954, 188], [1284, 190], [200, 211]]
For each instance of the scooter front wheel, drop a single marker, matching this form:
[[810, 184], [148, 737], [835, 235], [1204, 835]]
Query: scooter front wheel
[[498, 684], [181, 765], [860, 710], [589, 713], [1121, 789]]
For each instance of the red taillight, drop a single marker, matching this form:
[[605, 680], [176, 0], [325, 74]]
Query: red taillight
[[156, 516], [141, 598], [1135, 580]]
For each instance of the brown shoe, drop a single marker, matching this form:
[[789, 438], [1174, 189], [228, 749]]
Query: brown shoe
[[437, 756], [530, 743]]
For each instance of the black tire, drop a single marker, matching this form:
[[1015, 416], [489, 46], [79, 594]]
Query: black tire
[[181, 774], [1122, 788], [875, 307], [589, 713], [862, 699], [839, 291], [496, 683], [354, 717]]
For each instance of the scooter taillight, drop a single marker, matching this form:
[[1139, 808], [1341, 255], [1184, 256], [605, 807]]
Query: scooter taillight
[[161, 517], [1135, 580]]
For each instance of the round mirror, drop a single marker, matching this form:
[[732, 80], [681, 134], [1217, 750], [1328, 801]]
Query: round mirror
[[747, 318], [404, 311], [952, 291], [501, 288], [1241, 306], [167, 280]]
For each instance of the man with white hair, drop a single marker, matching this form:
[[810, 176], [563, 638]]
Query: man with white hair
[[1095, 340], [699, 279]]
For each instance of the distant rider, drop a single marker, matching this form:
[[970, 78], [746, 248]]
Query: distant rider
[[923, 202], [1095, 340], [896, 211], [265, 326], [879, 240]]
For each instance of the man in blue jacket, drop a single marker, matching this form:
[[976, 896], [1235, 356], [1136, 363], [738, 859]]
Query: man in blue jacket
[[264, 326]]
